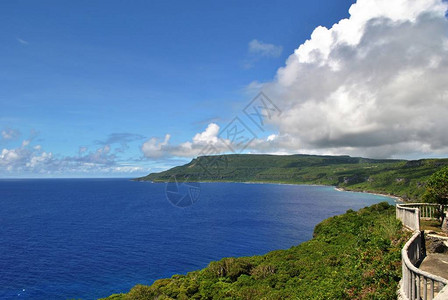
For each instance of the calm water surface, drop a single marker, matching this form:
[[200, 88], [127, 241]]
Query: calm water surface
[[89, 238]]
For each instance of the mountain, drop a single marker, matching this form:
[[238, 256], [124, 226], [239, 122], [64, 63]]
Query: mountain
[[402, 178]]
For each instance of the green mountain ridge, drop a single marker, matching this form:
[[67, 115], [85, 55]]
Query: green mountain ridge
[[402, 178]]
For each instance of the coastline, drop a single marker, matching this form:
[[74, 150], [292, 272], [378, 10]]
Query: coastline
[[339, 189], [397, 198]]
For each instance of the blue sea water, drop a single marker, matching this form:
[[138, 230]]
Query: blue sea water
[[89, 238]]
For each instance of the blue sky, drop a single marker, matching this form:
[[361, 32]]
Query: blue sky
[[84, 84], [75, 72]]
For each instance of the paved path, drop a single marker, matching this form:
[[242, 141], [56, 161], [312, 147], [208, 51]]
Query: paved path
[[436, 264]]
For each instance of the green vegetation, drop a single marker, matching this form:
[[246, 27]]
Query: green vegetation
[[436, 190], [352, 256], [401, 178], [430, 225], [437, 187]]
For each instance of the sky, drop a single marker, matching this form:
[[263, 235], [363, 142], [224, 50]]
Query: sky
[[115, 89]]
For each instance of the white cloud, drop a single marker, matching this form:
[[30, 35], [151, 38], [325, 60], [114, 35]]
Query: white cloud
[[372, 85], [126, 169], [264, 49], [39, 159], [22, 41], [154, 148], [9, 134], [9, 156], [271, 137], [200, 144], [28, 160], [210, 135]]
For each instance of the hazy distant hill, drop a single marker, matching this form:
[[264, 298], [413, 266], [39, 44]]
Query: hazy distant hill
[[397, 177]]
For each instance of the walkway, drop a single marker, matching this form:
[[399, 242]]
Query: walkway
[[436, 263]]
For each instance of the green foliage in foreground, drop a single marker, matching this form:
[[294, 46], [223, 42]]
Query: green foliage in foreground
[[352, 256], [401, 178]]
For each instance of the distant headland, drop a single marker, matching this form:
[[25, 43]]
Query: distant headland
[[400, 178]]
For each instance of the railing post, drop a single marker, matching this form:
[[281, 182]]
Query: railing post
[[412, 285], [431, 288], [423, 241], [418, 219], [413, 279], [409, 283], [417, 282]]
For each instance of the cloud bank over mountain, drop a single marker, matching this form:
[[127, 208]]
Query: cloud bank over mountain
[[373, 84]]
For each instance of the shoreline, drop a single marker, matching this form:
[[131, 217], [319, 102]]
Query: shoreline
[[339, 189], [397, 199]]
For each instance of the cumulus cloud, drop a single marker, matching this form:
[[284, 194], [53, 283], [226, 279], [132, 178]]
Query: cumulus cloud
[[32, 160], [373, 84], [22, 158], [203, 143], [154, 148], [210, 135], [264, 49], [101, 156]]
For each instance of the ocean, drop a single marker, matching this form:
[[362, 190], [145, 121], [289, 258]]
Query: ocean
[[89, 238]]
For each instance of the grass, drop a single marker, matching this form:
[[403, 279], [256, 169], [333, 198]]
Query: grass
[[433, 225]]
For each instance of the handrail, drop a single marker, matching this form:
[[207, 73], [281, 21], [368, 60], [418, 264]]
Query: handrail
[[410, 217], [414, 283], [427, 210]]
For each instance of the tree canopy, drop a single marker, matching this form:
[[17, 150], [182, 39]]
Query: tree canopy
[[437, 187]]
